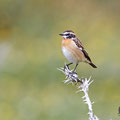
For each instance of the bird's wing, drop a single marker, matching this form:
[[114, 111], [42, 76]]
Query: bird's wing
[[86, 55], [79, 45]]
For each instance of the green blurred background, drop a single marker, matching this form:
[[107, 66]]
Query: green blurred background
[[31, 87]]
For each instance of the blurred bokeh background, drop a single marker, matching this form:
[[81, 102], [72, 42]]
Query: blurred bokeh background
[[31, 87]]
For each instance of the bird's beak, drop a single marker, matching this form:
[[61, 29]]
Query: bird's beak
[[61, 34]]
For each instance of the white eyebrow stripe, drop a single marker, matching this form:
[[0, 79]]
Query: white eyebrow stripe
[[68, 33]]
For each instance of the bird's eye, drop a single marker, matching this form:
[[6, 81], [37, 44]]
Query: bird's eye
[[73, 36]]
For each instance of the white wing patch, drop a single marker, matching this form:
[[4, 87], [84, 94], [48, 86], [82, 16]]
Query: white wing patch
[[80, 48]]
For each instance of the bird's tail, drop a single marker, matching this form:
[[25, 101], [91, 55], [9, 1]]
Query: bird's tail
[[92, 65]]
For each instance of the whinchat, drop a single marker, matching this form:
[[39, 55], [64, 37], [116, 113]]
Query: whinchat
[[73, 49]]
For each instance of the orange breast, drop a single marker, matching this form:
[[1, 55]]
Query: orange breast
[[75, 51], [66, 42]]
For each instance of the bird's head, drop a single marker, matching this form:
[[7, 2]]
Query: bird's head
[[68, 34]]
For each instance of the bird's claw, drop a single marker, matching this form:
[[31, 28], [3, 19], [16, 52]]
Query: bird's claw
[[65, 66]]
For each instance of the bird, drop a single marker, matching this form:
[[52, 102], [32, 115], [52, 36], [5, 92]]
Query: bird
[[73, 50]]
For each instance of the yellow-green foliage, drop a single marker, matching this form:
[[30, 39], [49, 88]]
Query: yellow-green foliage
[[31, 88]]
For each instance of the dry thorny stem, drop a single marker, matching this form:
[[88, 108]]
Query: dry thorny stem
[[72, 77]]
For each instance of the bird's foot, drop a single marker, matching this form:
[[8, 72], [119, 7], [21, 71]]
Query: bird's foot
[[73, 72], [66, 67]]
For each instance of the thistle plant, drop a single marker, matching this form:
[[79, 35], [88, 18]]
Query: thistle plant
[[72, 77]]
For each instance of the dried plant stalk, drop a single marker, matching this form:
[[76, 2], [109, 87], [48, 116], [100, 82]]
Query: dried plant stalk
[[83, 87]]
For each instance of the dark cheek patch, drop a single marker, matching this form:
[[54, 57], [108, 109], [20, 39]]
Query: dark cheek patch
[[73, 36], [69, 37]]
